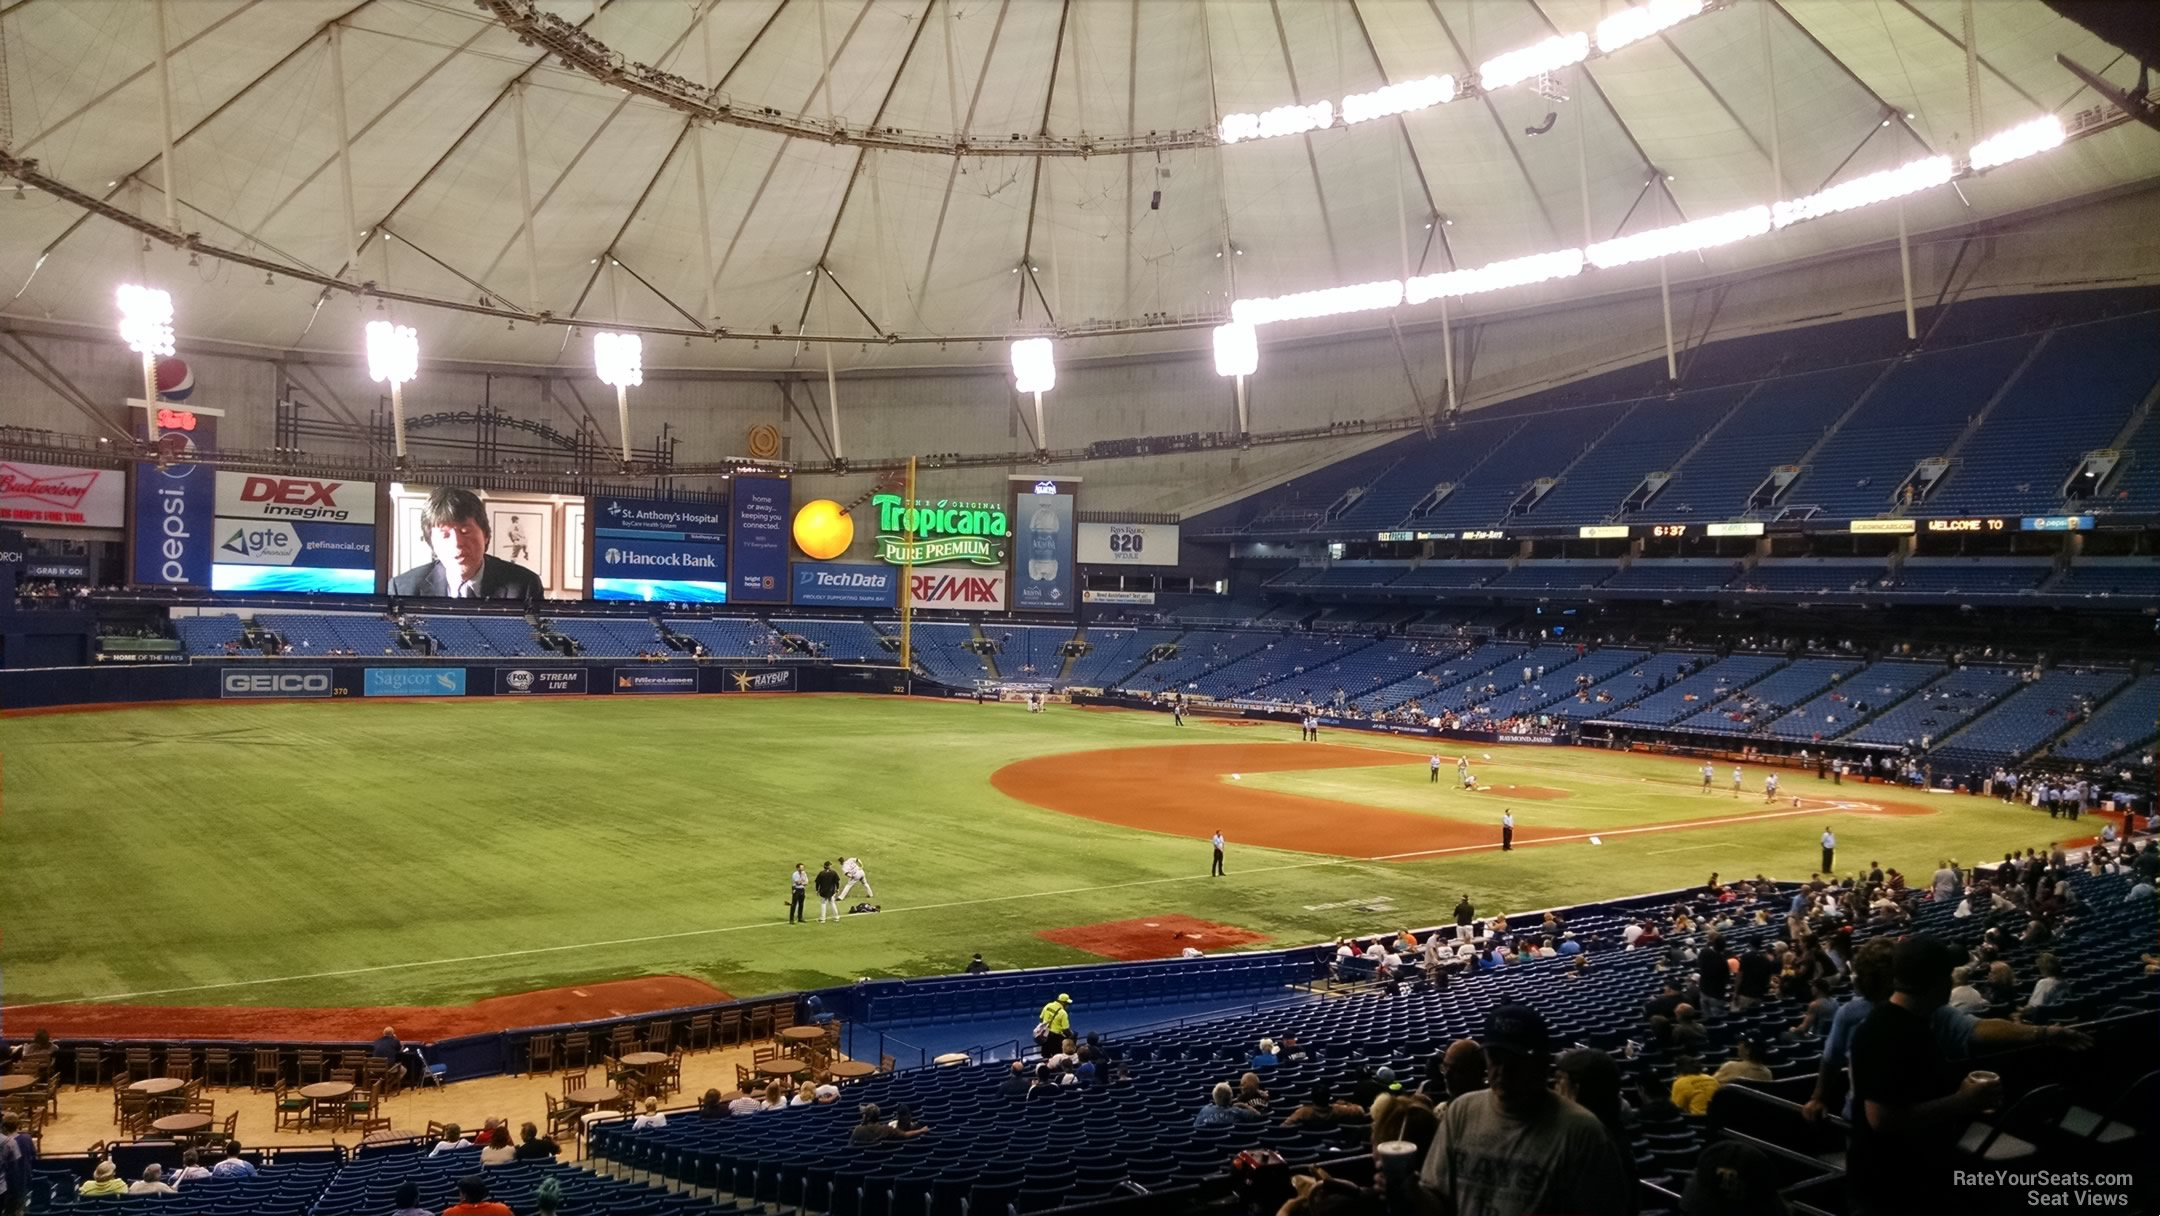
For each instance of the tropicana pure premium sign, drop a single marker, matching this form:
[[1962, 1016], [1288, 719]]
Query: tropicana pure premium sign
[[943, 531]]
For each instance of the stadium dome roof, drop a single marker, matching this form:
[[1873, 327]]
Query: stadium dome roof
[[1089, 195]]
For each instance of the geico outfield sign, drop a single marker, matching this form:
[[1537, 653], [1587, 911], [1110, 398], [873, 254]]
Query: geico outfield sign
[[944, 531]]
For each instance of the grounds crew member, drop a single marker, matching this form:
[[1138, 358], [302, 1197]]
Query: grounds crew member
[[1056, 1023]]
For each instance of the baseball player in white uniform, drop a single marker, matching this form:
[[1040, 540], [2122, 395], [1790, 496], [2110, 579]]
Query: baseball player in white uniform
[[851, 869]]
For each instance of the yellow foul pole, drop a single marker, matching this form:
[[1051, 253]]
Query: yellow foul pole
[[907, 572]]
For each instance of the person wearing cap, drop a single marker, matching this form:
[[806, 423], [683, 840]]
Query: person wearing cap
[[1517, 1148], [1054, 1025], [105, 1180], [1909, 1104]]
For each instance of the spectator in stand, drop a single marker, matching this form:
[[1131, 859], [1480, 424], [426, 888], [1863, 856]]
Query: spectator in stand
[[2047, 990], [1909, 1104], [775, 1096], [407, 1200], [1590, 1079], [1688, 1032], [873, 1129], [1692, 1088], [473, 1200], [1015, 1084], [1403, 1117], [234, 1165], [453, 1140], [152, 1182], [650, 1118], [1518, 1148], [191, 1168], [1965, 998], [1464, 1069], [18, 1158], [532, 1146], [1251, 1095], [1733, 1179], [1265, 1056], [1320, 1110], [1746, 1065], [498, 1150], [1220, 1109], [746, 1104], [104, 1180]]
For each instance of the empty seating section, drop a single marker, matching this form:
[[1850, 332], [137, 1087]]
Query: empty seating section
[[1838, 710], [2124, 724], [2137, 577], [1650, 438], [1514, 692], [940, 650], [1198, 652], [1293, 659], [322, 632], [1972, 576], [1554, 576], [1541, 449], [1937, 709], [728, 637], [619, 637], [1443, 665], [1770, 698], [207, 634], [1658, 575], [1358, 667], [2031, 716], [1354, 576], [2136, 488], [477, 636], [1810, 577], [2075, 396], [370, 1183], [840, 641], [1635, 674], [1215, 608], [1115, 654], [1718, 679], [1424, 465], [1029, 653], [1444, 575], [1917, 412], [1776, 426]]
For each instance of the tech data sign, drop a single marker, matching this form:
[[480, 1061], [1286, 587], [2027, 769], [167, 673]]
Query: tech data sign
[[944, 531], [960, 590]]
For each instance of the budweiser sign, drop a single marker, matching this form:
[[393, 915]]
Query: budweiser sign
[[61, 494]]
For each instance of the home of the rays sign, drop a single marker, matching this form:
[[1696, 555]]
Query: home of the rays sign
[[944, 531]]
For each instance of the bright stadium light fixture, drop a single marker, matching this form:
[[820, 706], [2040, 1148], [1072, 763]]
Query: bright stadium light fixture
[[146, 317], [1515, 272], [1861, 191], [2017, 143], [1554, 53], [1327, 302], [1282, 120], [1237, 349], [1034, 366], [1401, 98], [393, 354], [620, 360], [1680, 238], [1631, 25]]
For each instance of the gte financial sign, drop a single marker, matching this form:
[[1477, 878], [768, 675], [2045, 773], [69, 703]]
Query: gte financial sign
[[941, 531], [249, 496]]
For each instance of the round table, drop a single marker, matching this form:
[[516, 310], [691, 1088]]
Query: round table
[[183, 1124], [17, 1081], [645, 1059], [158, 1086], [593, 1095], [802, 1034], [783, 1069], [327, 1091], [951, 1059], [851, 1070]]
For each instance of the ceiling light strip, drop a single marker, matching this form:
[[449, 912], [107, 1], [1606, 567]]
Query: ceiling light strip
[[1623, 28], [2017, 143]]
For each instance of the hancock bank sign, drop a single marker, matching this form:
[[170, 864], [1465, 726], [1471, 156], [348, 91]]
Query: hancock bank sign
[[944, 531]]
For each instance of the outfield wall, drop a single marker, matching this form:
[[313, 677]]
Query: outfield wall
[[354, 679]]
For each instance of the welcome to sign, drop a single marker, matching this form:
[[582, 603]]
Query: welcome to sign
[[945, 531]]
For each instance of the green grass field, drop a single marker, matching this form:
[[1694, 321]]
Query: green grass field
[[321, 854]]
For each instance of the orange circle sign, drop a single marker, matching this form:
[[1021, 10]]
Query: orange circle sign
[[823, 530]]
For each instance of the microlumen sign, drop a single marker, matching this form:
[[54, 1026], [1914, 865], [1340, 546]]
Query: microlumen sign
[[945, 531]]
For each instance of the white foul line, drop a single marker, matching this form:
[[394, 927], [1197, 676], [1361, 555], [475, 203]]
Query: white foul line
[[1691, 848]]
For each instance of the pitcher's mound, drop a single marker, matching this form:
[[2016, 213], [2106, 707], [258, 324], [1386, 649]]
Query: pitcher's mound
[[1146, 937]]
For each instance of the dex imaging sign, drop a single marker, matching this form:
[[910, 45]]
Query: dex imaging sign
[[286, 682]]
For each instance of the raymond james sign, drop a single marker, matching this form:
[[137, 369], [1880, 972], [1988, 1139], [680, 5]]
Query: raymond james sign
[[945, 531]]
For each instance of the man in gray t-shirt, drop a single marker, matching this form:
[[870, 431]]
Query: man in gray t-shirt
[[1517, 1148]]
